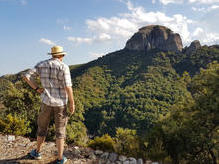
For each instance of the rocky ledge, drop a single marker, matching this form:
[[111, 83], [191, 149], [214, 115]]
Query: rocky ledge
[[155, 37], [14, 150]]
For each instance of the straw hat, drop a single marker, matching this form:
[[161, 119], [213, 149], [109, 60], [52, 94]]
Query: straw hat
[[57, 50]]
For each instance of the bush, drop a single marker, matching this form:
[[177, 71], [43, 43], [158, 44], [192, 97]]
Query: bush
[[105, 143], [76, 133], [14, 125], [127, 142]]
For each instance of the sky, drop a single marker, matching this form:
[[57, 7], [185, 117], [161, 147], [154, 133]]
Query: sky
[[88, 29]]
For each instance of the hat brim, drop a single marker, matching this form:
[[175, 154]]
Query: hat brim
[[57, 54]]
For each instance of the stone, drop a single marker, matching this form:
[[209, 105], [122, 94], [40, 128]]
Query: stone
[[118, 162], [140, 161], [113, 157], [92, 156], [194, 46], [126, 162], [155, 163], [10, 138], [132, 160], [105, 155], [98, 152], [155, 37], [122, 158]]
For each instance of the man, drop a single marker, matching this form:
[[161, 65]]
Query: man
[[57, 90]]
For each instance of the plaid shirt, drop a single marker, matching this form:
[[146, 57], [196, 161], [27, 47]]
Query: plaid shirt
[[54, 77]]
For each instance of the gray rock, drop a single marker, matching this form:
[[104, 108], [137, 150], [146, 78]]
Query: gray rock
[[118, 162], [92, 156], [113, 157], [155, 163], [194, 46], [105, 155], [140, 161], [155, 37], [132, 160], [122, 158], [10, 138], [98, 152], [126, 162]]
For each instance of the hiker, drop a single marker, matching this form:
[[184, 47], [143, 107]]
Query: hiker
[[55, 92]]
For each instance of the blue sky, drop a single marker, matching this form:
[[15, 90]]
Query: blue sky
[[88, 29]]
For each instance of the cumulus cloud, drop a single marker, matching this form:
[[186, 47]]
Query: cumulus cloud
[[204, 1], [125, 24], [101, 38], [47, 41], [122, 26], [205, 37], [206, 9], [165, 2]]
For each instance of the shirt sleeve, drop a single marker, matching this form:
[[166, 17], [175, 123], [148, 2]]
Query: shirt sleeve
[[31, 72], [67, 77]]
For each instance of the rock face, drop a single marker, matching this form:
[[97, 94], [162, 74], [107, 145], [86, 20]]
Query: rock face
[[193, 47], [155, 37]]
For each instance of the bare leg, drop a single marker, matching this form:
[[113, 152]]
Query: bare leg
[[60, 146], [40, 141]]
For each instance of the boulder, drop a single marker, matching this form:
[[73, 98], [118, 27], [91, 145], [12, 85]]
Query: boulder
[[194, 46], [155, 37]]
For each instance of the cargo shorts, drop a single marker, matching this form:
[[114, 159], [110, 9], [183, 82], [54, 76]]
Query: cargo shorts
[[59, 114]]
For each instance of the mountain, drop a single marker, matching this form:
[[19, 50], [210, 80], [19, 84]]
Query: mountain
[[155, 37], [135, 86]]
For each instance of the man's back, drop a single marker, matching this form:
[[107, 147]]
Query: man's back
[[54, 77]]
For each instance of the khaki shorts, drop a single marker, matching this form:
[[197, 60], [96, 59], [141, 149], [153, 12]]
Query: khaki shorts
[[60, 116]]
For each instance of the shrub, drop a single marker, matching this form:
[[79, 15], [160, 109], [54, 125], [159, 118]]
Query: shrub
[[76, 133], [105, 143], [14, 125], [127, 142]]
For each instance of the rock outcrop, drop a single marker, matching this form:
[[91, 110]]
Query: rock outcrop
[[15, 150], [155, 37], [194, 46]]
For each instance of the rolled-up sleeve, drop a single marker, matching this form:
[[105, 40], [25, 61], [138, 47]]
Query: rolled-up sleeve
[[30, 72], [67, 77]]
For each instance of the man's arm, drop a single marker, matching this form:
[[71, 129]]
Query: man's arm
[[33, 84], [70, 98]]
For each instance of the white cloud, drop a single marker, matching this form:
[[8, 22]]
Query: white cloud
[[121, 27], [206, 9], [47, 41], [101, 38], [205, 37], [214, 7], [153, 1], [204, 1], [165, 2], [126, 24], [96, 55]]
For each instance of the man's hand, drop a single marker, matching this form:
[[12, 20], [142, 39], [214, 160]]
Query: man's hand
[[71, 108], [40, 90], [71, 99]]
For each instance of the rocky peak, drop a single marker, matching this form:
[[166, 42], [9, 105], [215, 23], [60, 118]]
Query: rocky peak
[[155, 37], [193, 47]]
